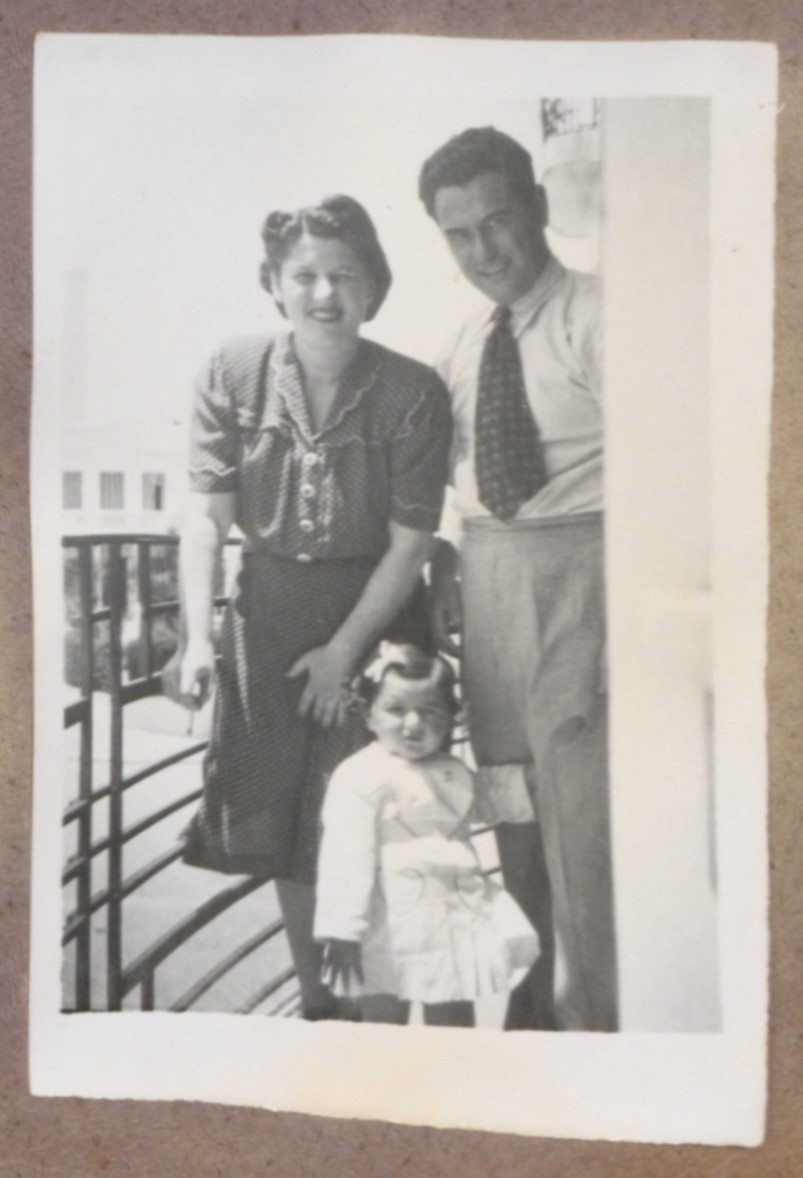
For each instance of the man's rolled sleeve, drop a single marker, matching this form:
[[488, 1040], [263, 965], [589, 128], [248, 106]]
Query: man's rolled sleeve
[[213, 432], [420, 460]]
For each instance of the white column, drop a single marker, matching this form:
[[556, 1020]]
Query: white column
[[656, 267]]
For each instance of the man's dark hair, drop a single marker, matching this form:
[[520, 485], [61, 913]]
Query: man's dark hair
[[470, 154]]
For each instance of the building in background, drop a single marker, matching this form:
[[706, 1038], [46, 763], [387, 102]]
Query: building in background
[[130, 477], [120, 472]]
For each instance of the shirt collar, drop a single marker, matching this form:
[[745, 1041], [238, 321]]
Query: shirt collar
[[527, 307]]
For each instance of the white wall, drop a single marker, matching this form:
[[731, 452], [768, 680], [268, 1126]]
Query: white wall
[[656, 260]]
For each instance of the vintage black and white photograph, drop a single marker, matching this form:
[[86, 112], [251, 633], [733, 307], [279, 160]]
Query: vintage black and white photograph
[[399, 453]]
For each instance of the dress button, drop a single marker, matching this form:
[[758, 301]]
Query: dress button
[[306, 525], [310, 458], [307, 490], [304, 557]]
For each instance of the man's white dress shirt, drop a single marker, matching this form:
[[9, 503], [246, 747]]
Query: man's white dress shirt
[[558, 326]]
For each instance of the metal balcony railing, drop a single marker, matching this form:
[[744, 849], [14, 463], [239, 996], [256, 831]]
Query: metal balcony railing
[[99, 588], [110, 589]]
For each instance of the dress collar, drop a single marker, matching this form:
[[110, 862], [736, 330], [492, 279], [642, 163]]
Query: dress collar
[[289, 383]]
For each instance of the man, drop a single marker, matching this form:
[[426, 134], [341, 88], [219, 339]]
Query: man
[[525, 380]]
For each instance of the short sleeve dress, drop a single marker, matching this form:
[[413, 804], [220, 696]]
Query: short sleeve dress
[[315, 510]]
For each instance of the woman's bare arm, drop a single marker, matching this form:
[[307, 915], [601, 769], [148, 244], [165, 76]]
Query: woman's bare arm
[[207, 522]]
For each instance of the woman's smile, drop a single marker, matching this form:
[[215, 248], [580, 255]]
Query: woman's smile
[[323, 284], [325, 314]]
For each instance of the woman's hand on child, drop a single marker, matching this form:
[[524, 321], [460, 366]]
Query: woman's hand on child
[[342, 960], [325, 697]]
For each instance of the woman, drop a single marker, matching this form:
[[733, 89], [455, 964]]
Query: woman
[[330, 454]]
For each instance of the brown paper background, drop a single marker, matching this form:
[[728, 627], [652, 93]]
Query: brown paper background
[[76, 1138]]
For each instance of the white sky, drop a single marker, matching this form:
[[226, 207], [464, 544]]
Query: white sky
[[157, 192]]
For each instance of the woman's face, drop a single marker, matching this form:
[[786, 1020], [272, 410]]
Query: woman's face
[[324, 288]]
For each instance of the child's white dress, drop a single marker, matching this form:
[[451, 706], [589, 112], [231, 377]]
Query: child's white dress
[[398, 874]]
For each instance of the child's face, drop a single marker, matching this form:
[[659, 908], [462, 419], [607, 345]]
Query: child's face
[[409, 718]]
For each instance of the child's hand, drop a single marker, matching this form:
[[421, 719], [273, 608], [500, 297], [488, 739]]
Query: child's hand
[[342, 960]]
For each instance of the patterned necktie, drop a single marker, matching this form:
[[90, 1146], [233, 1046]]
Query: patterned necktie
[[508, 455]]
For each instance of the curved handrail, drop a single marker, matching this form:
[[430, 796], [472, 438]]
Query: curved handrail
[[75, 863], [121, 980], [191, 996], [74, 809], [146, 962]]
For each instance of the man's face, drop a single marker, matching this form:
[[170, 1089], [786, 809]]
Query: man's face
[[497, 239]]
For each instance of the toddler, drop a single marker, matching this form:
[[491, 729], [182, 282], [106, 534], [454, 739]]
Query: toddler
[[403, 910]]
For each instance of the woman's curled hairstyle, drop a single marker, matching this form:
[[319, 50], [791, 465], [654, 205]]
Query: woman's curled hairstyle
[[336, 216]]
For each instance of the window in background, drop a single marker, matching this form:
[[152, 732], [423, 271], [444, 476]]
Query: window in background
[[112, 496], [153, 492], [71, 490]]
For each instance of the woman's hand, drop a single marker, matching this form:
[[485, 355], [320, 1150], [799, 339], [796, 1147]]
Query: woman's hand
[[197, 673], [325, 697], [446, 608], [342, 960], [329, 668], [207, 521], [188, 678]]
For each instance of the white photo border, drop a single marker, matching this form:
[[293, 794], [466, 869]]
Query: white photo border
[[638, 1086]]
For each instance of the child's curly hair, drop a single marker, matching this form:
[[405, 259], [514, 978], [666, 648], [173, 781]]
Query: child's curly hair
[[408, 662]]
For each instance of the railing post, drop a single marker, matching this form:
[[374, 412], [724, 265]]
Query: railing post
[[144, 584], [108, 580], [147, 992], [84, 878], [114, 948]]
